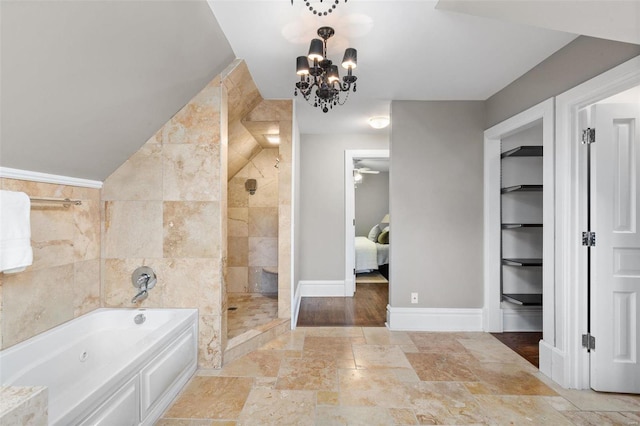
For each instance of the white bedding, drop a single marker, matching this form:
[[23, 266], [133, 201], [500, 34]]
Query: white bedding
[[369, 254]]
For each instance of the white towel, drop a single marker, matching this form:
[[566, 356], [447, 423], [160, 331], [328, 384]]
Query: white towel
[[15, 232]]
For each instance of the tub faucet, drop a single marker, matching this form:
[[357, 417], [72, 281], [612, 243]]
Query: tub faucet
[[140, 296], [144, 279]]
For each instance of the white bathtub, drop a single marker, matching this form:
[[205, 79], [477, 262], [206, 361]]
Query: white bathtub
[[103, 368]]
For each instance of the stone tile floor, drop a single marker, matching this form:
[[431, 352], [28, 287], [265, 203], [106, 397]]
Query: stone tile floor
[[251, 311], [372, 376]]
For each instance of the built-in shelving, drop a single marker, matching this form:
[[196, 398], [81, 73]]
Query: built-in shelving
[[521, 188], [520, 251], [521, 225], [523, 151], [524, 299], [522, 261]]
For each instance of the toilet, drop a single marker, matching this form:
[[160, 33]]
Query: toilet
[[269, 280]]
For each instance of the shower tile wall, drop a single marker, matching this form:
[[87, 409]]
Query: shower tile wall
[[166, 208], [253, 224], [64, 280]]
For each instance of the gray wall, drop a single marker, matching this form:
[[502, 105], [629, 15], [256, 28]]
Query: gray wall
[[577, 62], [322, 201], [372, 201], [436, 203]]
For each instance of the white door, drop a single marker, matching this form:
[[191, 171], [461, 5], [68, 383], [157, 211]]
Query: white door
[[615, 259]]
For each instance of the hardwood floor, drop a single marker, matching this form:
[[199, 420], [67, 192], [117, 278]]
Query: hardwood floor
[[524, 344], [368, 308]]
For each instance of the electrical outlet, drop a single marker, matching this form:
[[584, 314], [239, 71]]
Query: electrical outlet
[[414, 297]]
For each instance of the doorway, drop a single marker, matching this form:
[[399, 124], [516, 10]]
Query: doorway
[[611, 157], [578, 313]]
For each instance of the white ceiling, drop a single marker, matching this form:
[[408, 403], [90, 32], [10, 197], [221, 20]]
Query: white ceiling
[[86, 83], [407, 50]]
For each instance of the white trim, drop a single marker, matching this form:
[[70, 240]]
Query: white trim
[[6, 172], [494, 316], [526, 319], [350, 211], [552, 362], [297, 299], [571, 265], [434, 319], [322, 289]]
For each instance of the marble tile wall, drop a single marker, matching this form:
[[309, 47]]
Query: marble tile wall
[[64, 280], [166, 207]]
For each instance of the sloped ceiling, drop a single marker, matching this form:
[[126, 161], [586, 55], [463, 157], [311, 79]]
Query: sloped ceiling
[[617, 20], [85, 83]]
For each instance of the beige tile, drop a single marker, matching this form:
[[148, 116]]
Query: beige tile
[[86, 286], [210, 341], [506, 379], [351, 332], [237, 195], [383, 336], [237, 279], [379, 356], [263, 222], [308, 374], [436, 342], [132, 229], [118, 289], [191, 172], [255, 364], [364, 416], [446, 403], [189, 283], [266, 194], [589, 400], [211, 398], [292, 341], [53, 235], [23, 405], [328, 398], [372, 388], [254, 279], [36, 301], [191, 229], [600, 418], [238, 221], [403, 416], [520, 409], [442, 367], [279, 407], [485, 350], [263, 251], [139, 178], [238, 251], [327, 347]]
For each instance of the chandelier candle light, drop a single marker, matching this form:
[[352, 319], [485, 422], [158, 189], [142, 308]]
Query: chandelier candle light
[[323, 75], [317, 12]]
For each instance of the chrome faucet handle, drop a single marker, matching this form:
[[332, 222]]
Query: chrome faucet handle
[[144, 278]]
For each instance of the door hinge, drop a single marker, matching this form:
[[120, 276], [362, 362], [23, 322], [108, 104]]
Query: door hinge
[[354, 271], [354, 222], [588, 135], [589, 239], [588, 342]]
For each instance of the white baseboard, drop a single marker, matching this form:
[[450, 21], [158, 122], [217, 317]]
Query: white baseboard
[[297, 298], [552, 363], [321, 288], [522, 319], [434, 319], [9, 173]]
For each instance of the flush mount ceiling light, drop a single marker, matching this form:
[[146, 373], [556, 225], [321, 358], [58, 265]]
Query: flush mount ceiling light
[[331, 5], [379, 122], [323, 75]]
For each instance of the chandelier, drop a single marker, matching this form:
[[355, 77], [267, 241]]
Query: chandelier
[[318, 12], [323, 75]]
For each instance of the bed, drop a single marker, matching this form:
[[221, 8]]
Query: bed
[[370, 252]]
